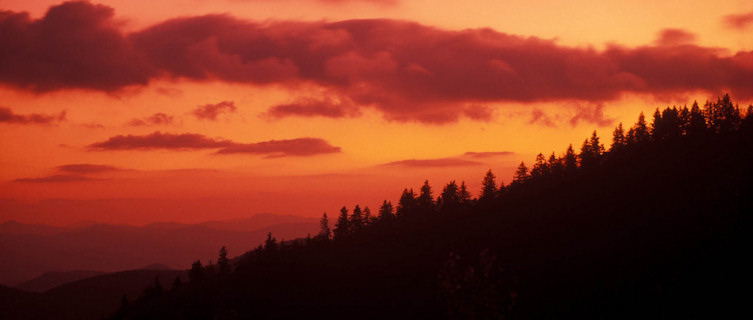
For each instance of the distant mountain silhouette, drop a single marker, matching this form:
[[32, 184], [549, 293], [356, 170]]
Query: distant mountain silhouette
[[156, 266], [257, 222], [111, 248], [15, 227], [89, 298], [54, 279]]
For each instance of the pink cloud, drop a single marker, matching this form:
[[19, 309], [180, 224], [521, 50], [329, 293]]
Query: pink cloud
[[155, 119], [443, 162], [591, 114], [8, 116], [56, 178], [739, 21], [312, 108], [539, 117], [488, 154], [192, 141], [159, 140], [212, 111], [85, 168], [674, 37], [282, 148]]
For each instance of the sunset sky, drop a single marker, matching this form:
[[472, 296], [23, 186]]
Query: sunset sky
[[130, 111]]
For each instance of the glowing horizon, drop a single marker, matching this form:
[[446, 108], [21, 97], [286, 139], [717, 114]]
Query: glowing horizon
[[302, 106]]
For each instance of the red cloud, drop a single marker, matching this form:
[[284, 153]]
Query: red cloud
[[408, 71], [739, 21], [312, 107], [192, 141], [75, 45], [488, 154], [538, 116], [155, 119], [444, 162], [281, 148], [8, 116], [674, 37], [84, 168], [591, 114], [159, 140], [211, 111], [56, 178]]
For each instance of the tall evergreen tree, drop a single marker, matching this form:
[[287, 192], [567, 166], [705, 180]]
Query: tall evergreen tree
[[696, 125], [324, 231], [368, 219], [385, 212], [356, 220], [570, 160], [684, 119], [641, 130], [657, 129], [722, 116], [196, 274], [521, 175], [618, 139], [555, 165], [540, 167], [463, 195], [270, 245], [407, 204], [425, 200], [450, 197], [341, 226], [488, 188], [223, 263]]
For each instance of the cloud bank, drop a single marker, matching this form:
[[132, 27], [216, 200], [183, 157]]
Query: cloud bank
[[408, 71], [192, 141]]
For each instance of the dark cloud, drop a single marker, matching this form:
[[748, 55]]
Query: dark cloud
[[56, 178], [211, 111], [155, 119], [159, 140], [85, 168], [8, 116], [739, 21], [282, 148], [192, 141], [313, 108], [408, 71], [75, 45], [675, 37], [443, 162], [591, 114], [488, 154]]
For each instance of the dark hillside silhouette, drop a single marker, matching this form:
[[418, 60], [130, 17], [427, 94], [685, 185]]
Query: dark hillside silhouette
[[657, 226], [53, 279]]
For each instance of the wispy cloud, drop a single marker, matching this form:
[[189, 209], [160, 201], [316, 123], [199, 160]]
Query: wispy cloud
[[739, 21], [193, 141], [281, 148], [85, 168], [8, 116], [57, 178], [156, 119], [212, 111]]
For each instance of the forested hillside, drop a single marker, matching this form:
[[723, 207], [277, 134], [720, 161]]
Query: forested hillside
[[655, 225]]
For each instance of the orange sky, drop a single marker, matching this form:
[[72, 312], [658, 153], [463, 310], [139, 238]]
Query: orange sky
[[302, 106]]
